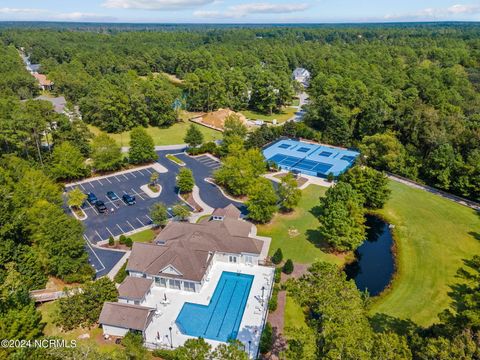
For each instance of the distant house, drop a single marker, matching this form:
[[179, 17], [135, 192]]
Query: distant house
[[43, 82], [216, 119], [302, 76], [58, 102]]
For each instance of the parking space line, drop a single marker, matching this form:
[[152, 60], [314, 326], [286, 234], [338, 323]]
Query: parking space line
[[81, 186], [113, 203], [140, 221], [94, 210], [94, 253], [137, 194], [123, 232], [128, 222], [99, 182], [117, 179], [147, 170], [93, 187], [96, 232], [109, 231], [132, 173], [140, 171], [149, 218], [125, 176], [108, 180]]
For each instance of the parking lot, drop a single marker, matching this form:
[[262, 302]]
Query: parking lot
[[121, 218], [209, 162]]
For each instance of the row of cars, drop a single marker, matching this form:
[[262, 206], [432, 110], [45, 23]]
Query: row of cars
[[100, 205]]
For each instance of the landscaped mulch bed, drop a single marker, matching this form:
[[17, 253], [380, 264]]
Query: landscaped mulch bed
[[300, 180]]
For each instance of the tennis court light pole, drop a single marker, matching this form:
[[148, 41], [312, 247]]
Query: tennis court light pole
[[171, 340]]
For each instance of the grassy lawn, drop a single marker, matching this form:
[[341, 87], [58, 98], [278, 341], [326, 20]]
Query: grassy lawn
[[294, 316], [295, 233], [143, 236], [164, 136], [433, 236], [286, 114], [48, 313], [174, 159]]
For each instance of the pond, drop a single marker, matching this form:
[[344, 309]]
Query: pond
[[374, 265]]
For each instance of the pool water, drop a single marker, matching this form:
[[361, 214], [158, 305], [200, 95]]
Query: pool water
[[220, 319]]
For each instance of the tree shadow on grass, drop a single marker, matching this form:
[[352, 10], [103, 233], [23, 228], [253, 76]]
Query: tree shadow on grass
[[384, 323], [314, 235]]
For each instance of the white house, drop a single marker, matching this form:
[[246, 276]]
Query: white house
[[302, 76]]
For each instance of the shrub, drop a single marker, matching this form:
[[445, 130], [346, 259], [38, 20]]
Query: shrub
[[121, 274], [122, 239], [129, 242], [330, 177], [266, 340], [277, 257], [278, 275], [209, 147], [288, 267], [111, 240]]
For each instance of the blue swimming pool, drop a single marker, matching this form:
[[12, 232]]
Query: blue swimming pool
[[220, 319]]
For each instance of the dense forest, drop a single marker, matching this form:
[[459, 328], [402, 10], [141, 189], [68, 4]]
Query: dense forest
[[407, 96]]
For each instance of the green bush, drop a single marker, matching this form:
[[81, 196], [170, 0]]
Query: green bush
[[121, 274], [111, 240], [266, 340], [278, 275], [288, 267], [165, 354], [330, 177], [209, 147], [122, 239], [277, 257], [129, 242]]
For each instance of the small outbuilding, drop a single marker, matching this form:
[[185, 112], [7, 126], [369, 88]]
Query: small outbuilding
[[133, 290], [117, 319]]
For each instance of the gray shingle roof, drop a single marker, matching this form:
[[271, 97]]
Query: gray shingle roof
[[134, 288], [125, 315]]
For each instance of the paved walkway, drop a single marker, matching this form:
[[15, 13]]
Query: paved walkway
[[459, 200]]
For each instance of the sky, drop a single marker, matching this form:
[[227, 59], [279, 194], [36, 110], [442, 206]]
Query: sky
[[240, 11]]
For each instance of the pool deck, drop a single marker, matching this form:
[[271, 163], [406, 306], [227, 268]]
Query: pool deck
[[252, 320]]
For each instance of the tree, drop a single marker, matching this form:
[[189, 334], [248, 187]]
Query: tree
[[288, 267], [154, 178], [301, 343], [277, 256], [233, 126], [185, 180], [233, 350], [181, 212], [106, 153], [239, 172], [370, 184], [341, 323], [342, 218], [288, 193], [159, 214], [194, 136], [67, 162], [390, 346], [193, 349], [82, 308], [142, 149], [76, 198], [134, 349], [262, 201]]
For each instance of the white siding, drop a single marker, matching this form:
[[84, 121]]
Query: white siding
[[114, 330]]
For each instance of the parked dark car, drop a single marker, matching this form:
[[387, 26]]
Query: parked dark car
[[112, 196], [100, 205], [129, 199], [91, 198]]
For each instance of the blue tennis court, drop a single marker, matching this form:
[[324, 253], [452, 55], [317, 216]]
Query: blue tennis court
[[310, 159], [221, 318]]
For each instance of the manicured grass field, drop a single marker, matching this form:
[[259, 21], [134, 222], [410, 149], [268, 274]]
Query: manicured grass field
[[296, 233], [294, 315], [433, 236], [164, 136], [143, 236], [286, 114]]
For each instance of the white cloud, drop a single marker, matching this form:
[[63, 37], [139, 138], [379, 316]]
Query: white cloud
[[242, 10], [155, 4], [437, 13], [79, 16], [21, 11], [268, 8]]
